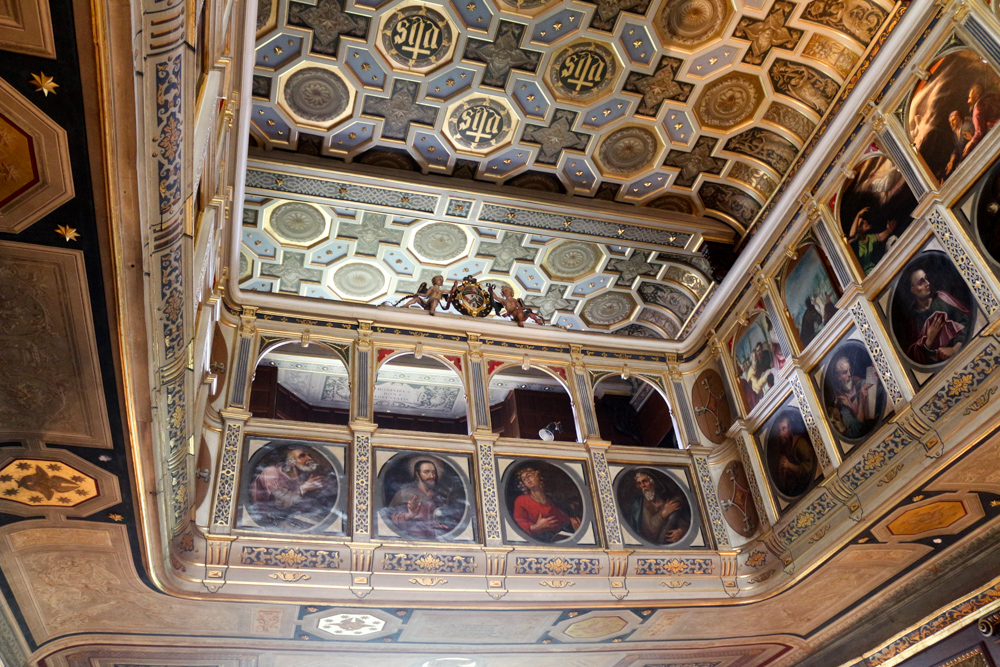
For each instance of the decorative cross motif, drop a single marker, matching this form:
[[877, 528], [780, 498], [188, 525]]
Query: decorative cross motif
[[658, 87], [608, 11], [698, 160], [291, 272], [551, 301], [633, 267], [503, 54], [399, 110], [506, 251], [556, 138], [771, 32], [328, 21], [371, 232]]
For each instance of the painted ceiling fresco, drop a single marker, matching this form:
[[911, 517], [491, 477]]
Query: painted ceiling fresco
[[693, 106], [297, 248]]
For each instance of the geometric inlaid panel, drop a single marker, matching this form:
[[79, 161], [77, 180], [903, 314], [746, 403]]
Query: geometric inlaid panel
[[50, 381], [35, 175]]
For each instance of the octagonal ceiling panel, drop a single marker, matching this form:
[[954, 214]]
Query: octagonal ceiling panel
[[621, 90], [416, 38]]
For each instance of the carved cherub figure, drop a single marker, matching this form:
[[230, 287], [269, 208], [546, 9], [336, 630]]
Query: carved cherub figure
[[427, 297], [513, 308]]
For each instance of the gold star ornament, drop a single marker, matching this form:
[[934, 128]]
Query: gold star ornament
[[67, 232], [44, 84]]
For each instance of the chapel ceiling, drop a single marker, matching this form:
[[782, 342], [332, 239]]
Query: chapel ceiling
[[346, 254], [689, 106]]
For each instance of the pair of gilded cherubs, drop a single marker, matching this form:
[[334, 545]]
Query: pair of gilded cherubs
[[506, 305]]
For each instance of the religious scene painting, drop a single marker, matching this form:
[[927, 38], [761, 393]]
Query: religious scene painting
[[987, 214], [932, 314], [544, 501], [654, 507], [792, 465], [758, 359], [810, 296], [876, 207], [424, 497], [952, 111], [853, 395], [293, 487]]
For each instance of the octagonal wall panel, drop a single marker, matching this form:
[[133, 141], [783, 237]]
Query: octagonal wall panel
[[35, 174]]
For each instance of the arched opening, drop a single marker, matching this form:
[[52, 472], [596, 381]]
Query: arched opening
[[305, 384], [633, 413], [422, 394], [531, 404]]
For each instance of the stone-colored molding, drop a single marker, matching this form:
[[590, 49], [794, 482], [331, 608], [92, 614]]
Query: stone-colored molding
[[38, 150], [50, 354], [26, 27]]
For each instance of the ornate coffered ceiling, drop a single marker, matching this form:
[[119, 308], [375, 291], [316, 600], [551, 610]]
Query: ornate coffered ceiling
[[697, 107], [346, 254]]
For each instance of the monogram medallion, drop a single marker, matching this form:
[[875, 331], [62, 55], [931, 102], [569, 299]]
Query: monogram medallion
[[582, 72], [480, 124], [416, 38]]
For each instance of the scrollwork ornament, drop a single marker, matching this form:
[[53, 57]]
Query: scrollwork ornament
[[714, 509], [964, 263], [875, 350], [754, 488], [810, 422]]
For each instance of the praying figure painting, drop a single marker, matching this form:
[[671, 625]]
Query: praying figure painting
[[293, 487], [932, 313]]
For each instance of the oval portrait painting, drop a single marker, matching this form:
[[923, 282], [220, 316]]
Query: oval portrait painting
[[423, 497], [932, 312], [791, 460], [653, 506], [853, 394], [293, 487], [543, 501]]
